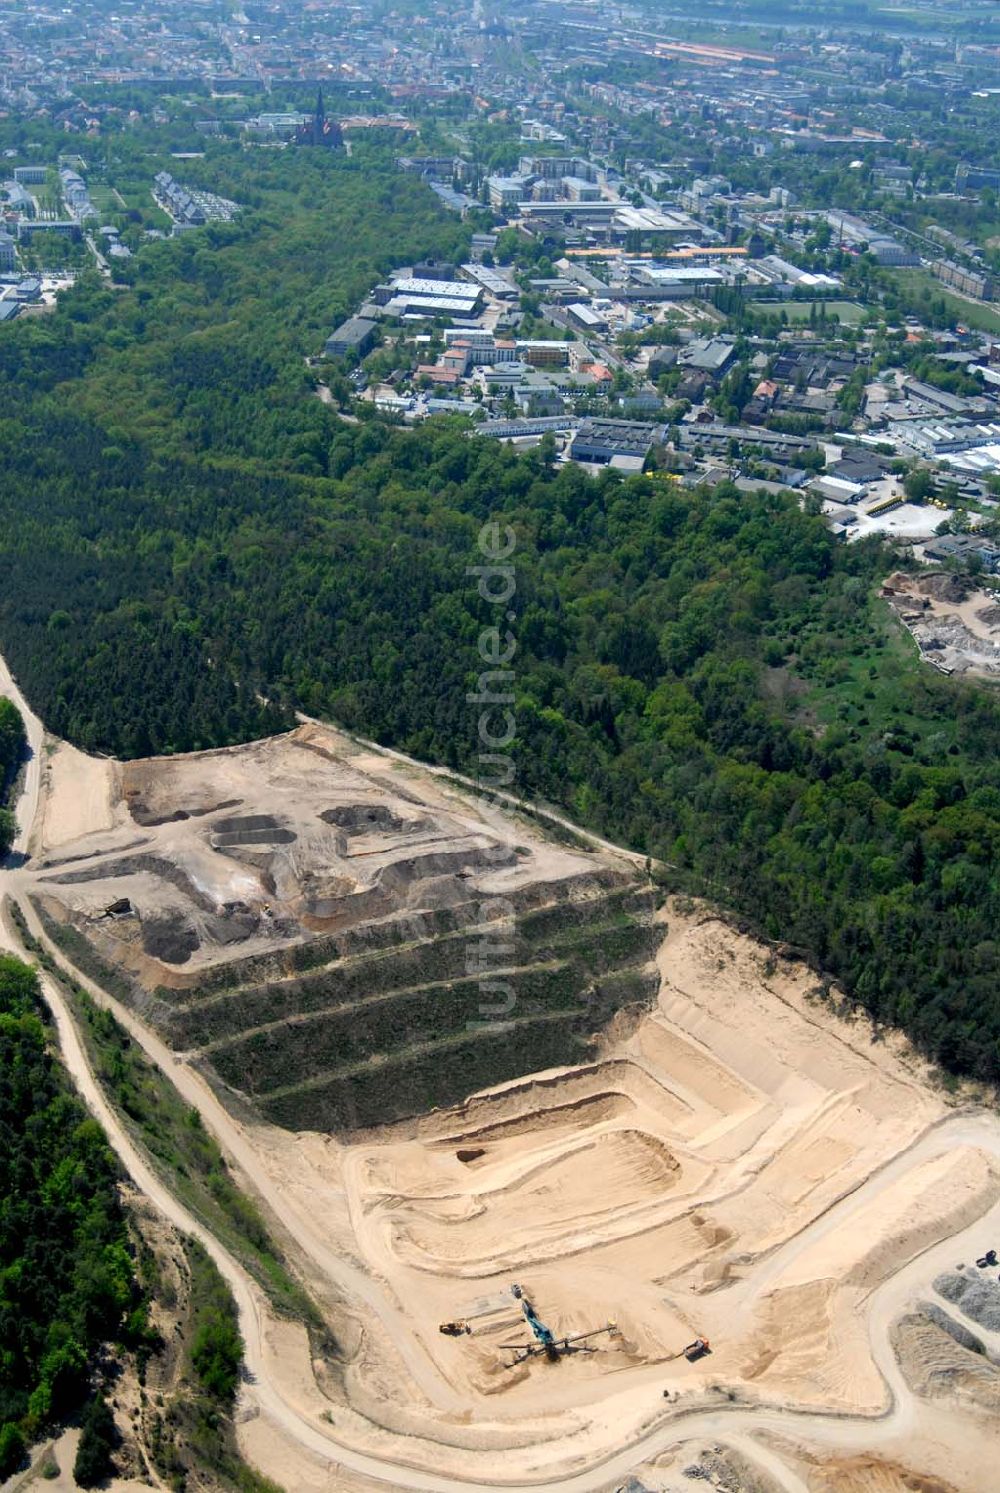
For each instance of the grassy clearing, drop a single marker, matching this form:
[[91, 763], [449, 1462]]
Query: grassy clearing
[[105, 201], [969, 313], [135, 191], [850, 313], [874, 683], [176, 1141]]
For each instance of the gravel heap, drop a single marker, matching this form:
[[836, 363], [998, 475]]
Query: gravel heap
[[976, 1294]]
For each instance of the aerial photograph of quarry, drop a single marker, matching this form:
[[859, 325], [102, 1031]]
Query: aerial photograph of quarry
[[500, 747]]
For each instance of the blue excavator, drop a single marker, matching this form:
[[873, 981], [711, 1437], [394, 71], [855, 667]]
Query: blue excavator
[[545, 1339], [544, 1336]]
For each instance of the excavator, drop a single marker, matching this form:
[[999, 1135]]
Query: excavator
[[545, 1339]]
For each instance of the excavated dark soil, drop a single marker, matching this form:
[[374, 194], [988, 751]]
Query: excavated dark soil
[[142, 815], [169, 938], [360, 818]]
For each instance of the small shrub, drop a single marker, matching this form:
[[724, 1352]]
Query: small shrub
[[12, 1449], [98, 1440]]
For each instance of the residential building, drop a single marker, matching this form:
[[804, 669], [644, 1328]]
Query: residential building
[[544, 353], [436, 270], [507, 191], [19, 199], [970, 178], [494, 377], [64, 227], [978, 283], [441, 168], [576, 189], [283, 124]]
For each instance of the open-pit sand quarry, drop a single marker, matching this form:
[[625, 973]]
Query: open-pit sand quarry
[[724, 1156]]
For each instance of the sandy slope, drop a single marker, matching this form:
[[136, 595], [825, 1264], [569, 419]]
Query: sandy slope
[[77, 796]]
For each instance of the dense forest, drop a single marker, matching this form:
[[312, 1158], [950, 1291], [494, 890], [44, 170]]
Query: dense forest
[[194, 546], [66, 1272], [12, 747]]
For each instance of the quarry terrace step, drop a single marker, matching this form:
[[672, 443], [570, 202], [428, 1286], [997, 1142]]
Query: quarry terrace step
[[380, 1061], [428, 1077], [195, 1024], [343, 1008], [302, 959]]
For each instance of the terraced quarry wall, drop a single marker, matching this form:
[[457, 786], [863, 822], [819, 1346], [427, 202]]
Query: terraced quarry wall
[[390, 1032], [367, 949]]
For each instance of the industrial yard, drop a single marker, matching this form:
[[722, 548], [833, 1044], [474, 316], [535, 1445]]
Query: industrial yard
[[718, 1224], [954, 622]]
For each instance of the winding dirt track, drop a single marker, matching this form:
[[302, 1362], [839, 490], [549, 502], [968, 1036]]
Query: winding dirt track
[[266, 1391]]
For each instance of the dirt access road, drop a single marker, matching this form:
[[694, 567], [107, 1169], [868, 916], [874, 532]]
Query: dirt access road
[[298, 1437]]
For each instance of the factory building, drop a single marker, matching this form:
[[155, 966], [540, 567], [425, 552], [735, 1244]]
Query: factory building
[[623, 442], [356, 336]]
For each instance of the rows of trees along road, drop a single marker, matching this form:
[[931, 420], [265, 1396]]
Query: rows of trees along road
[[186, 534]]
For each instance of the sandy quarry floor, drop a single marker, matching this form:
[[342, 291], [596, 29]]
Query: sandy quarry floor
[[642, 1189], [711, 1176], [739, 1162], [78, 800]]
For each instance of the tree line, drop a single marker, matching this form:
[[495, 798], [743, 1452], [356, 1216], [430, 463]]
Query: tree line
[[13, 744]]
